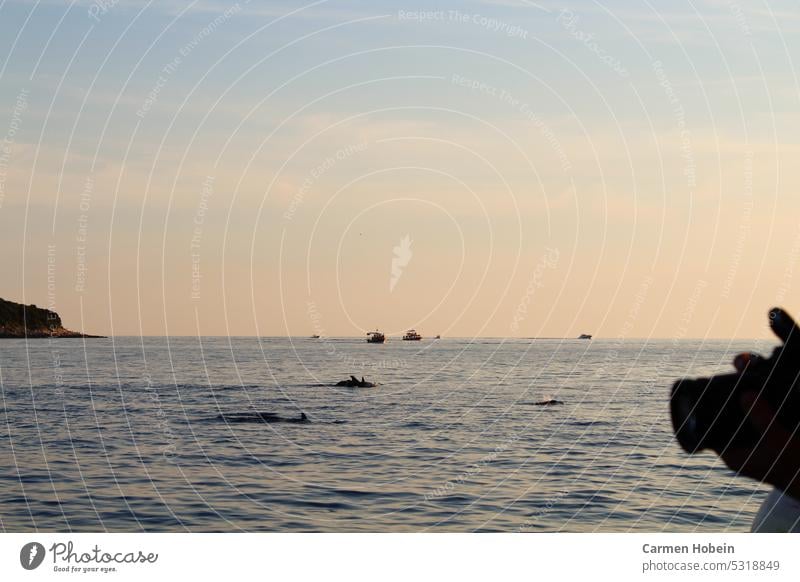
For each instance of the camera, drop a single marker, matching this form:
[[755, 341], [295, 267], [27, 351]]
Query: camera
[[707, 412]]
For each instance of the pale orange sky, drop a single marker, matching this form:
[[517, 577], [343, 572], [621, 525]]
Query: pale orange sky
[[212, 170]]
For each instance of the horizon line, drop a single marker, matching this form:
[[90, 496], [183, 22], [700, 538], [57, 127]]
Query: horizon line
[[399, 338]]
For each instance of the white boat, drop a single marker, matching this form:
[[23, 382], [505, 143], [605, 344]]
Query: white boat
[[412, 336], [375, 337]]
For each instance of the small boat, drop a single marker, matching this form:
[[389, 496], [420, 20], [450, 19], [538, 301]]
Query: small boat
[[375, 337], [585, 336], [315, 336], [438, 337], [412, 336]]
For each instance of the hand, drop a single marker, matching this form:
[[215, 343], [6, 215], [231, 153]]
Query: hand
[[775, 459]]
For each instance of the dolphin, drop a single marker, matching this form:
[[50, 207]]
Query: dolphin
[[269, 417], [354, 382]]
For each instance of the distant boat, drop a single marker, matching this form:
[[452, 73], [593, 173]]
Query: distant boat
[[412, 336], [315, 336], [375, 337], [585, 336], [438, 337]]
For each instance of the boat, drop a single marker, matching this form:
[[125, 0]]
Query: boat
[[585, 336], [438, 337], [375, 337], [315, 336], [412, 336]]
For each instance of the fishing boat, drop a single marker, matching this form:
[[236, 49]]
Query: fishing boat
[[412, 336], [315, 336], [375, 337], [585, 336]]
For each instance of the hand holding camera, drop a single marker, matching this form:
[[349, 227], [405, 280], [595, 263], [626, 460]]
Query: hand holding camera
[[750, 418]]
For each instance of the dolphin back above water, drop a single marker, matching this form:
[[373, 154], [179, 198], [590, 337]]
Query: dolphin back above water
[[354, 382], [268, 417]]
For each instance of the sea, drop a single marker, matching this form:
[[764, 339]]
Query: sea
[[163, 434]]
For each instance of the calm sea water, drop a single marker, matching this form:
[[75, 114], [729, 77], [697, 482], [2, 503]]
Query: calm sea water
[[124, 434]]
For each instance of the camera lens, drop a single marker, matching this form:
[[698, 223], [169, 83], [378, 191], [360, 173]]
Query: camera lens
[[706, 413], [684, 409]]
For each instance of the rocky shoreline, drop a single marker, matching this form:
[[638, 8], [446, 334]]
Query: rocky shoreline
[[18, 321]]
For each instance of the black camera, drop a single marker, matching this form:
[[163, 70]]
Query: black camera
[[707, 412]]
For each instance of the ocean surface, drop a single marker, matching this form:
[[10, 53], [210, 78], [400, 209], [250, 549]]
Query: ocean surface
[[126, 434]]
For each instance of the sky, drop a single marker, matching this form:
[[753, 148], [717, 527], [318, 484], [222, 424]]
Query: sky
[[496, 168]]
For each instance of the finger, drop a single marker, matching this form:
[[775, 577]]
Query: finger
[[783, 325], [741, 361]]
